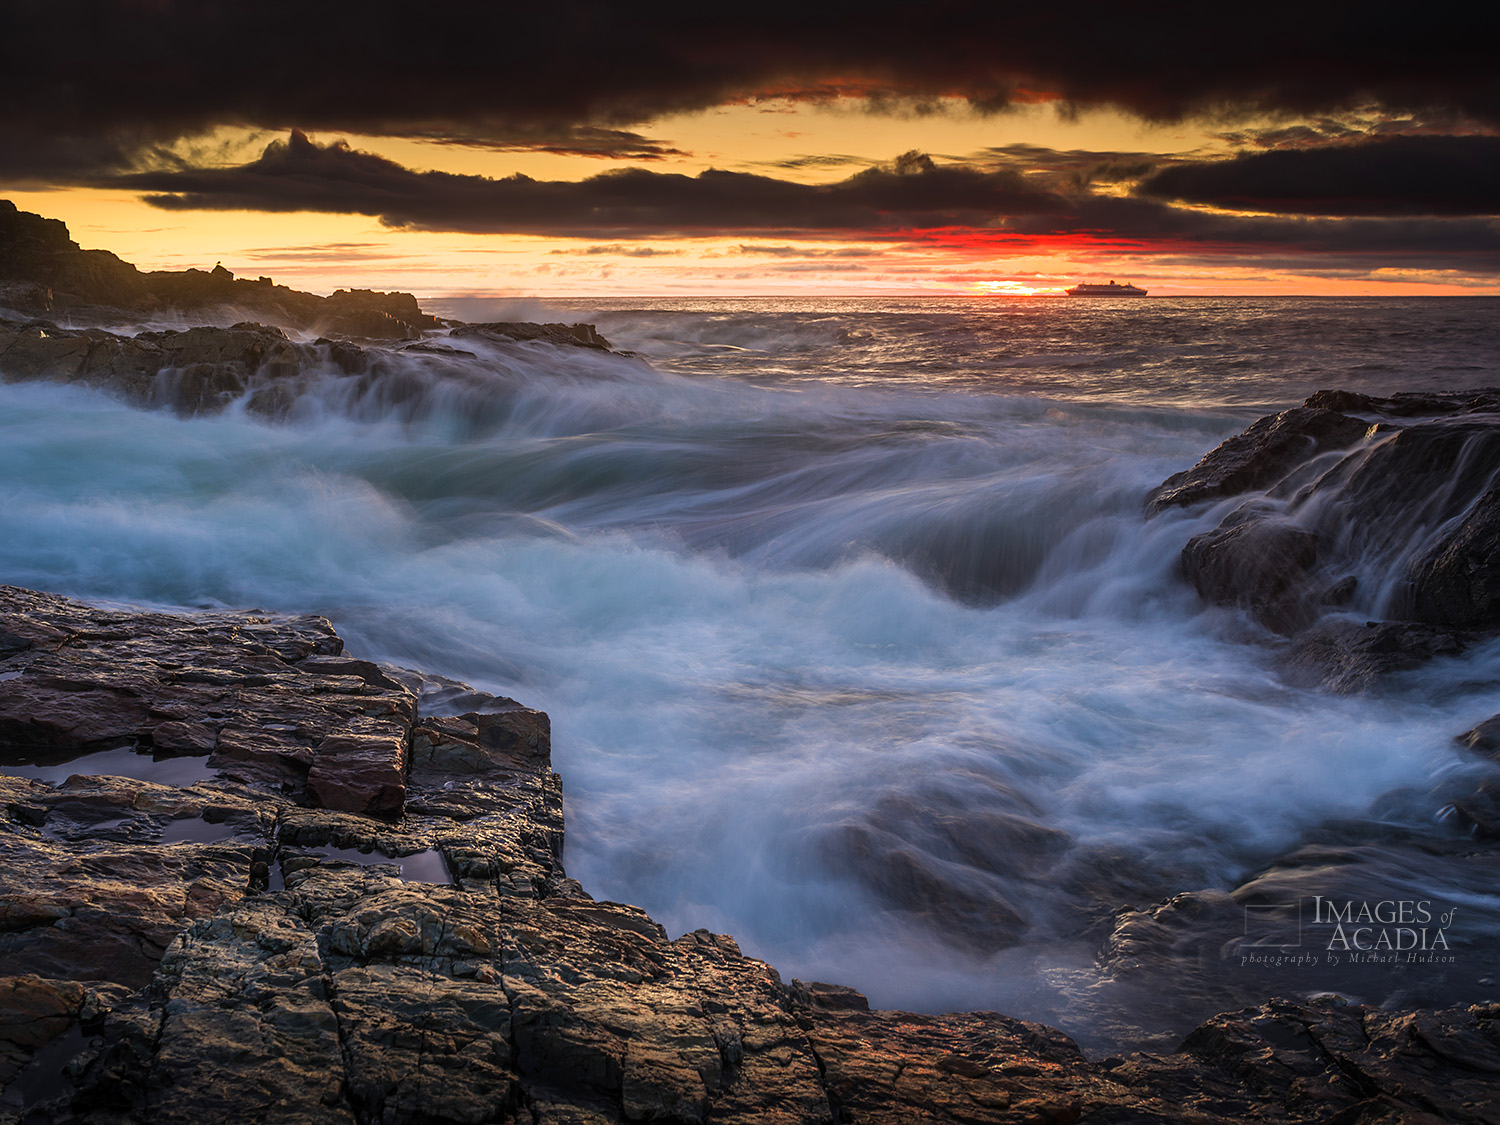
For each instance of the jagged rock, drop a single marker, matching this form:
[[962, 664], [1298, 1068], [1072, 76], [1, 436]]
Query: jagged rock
[[362, 772], [39, 250], [202, 370], [91, 894], [1403, 529], [565, 335], [1477, 813], [33, 1011], [229, 685], [1187, 927], [1418, 478], [1485, 738], [1409, 404], [1329, 1059], [834, 997], [382, 316], [23, 233], [1260, 457]]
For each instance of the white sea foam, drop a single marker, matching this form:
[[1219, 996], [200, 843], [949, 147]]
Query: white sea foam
[[791, 630]]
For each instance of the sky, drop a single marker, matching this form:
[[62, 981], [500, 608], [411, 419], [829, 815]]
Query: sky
[[579, 149]]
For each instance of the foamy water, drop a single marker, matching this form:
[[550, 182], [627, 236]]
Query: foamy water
[[854, 637]]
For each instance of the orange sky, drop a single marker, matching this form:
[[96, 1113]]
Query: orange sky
[[319, 251]]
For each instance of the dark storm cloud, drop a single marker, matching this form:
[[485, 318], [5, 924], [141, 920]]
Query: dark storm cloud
[[85, 83], [301, 175], [911, 199], [1421, 175], [1124, 224]]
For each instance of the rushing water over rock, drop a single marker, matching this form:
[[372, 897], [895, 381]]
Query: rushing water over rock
[[856, 638]]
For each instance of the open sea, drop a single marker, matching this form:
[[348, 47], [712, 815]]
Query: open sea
[[856, 641]]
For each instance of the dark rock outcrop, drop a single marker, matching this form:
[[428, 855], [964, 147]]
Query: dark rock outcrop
[[1368, 531], [227, 950], [199, 370], [1484, 738], [39, 250], [26, 297], [202, 370], [43, 273], [382, 316], [563, 335], [38, 253]]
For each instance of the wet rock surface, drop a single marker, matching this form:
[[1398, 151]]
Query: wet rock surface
[[1260, 457], [200, 370], [1366, 530], [203, 370], [228, 950]]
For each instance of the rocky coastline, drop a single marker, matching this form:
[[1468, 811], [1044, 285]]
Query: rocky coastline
[[69, 315], [248, 876], [352, 906]]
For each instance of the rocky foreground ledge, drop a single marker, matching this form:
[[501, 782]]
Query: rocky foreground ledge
[[351, 907]]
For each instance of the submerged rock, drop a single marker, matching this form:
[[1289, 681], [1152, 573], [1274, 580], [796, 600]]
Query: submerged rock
[[1349, 657]]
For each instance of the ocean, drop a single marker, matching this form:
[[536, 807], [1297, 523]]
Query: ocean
[[855, 638]]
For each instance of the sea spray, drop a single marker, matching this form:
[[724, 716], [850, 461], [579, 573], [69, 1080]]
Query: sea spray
[[879, 668]]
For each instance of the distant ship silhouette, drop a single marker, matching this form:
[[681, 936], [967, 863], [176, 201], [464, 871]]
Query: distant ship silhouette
[[1090, 289]]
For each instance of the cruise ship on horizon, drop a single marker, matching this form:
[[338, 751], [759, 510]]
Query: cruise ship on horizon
[[1092, 289]]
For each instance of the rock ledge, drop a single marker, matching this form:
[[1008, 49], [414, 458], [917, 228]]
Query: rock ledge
[[357, 912]]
